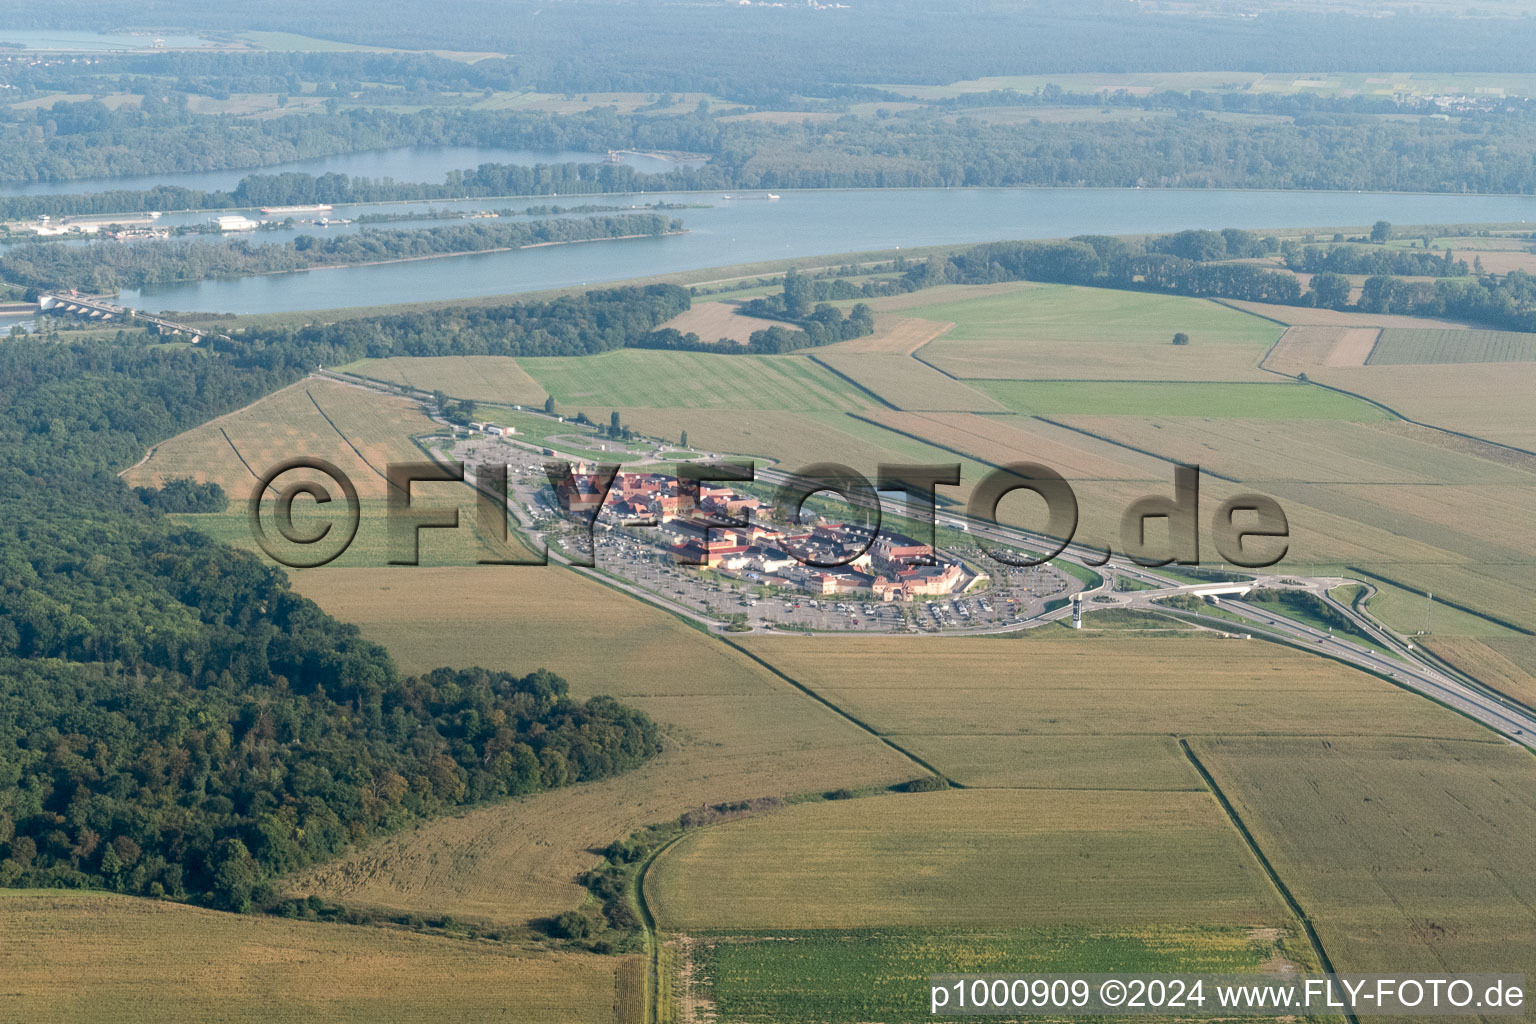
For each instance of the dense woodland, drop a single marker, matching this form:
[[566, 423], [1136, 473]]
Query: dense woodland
[[105, 266], [1476, 154], [174, 719], [605, 45]]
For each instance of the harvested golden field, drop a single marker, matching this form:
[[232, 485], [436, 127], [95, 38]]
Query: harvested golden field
[[1305, 349], [482, 378], [1310, 451], [985, 859], [999, 440], [907, 383], [1105, 686], [358, 430], [1508, 664], [90, 957], [1499, 261], [894, 335], [713, 321], [1061, 332], [1491, 402], [792, 439], [1409, 855], [734, 732], [991, 761]]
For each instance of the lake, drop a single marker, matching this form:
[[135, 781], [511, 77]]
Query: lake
[[811, 224]]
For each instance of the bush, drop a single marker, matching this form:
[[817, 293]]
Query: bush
[[571, 924], [1181, 338], [924, 784]]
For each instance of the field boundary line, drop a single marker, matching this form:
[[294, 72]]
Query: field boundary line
[[1269, 869], [230, 441], [652, 934], [925, 440], [1384, 407], [840, 712], [1445, 601], [1218, 300], [839, 373], [1130, 447], [323, 415]]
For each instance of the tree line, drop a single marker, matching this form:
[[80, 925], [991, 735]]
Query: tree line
[[1476, 153], [105, 266]]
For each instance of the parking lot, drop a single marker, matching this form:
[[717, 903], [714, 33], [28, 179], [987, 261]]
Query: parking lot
[[1007, 596]]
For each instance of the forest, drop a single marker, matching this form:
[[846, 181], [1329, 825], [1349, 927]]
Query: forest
[[105, 266], [697, 47], [1486, 153], [176, 721]]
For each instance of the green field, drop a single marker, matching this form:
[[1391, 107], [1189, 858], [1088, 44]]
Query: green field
[[568, 437], [371, 547], [1178, 398], [770, 977], [480, 378], [1412, 345], [971, 859], [1064, 332], [691, 380]]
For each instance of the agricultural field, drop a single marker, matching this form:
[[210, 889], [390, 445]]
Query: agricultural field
[[1403, 345], [894, 335], [1274, 401], [1307, 316], [1506, 663], [973, 859], [97, 957], [478, 378], [1408, 854], [1106, 686], [767, 977], [1305, 349], [1486, 401], [792, 439], [906, 383], [358, 430], [691, 380], [1062, 332], [712, 321], [734, 731], [465, 545], [992, 761], [1415, 505]]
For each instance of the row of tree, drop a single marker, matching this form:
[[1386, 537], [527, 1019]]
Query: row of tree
[[104, 266]]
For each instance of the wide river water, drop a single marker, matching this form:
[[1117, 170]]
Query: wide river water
[[732, 230], [810, 225]]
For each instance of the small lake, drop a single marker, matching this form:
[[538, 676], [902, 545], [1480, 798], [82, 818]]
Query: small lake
[[813, 224]]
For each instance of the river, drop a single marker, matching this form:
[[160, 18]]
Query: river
[[813, 224]]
